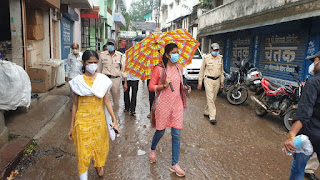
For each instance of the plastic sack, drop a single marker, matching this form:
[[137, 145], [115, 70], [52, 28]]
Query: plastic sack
[[304, 146], [15, 86]]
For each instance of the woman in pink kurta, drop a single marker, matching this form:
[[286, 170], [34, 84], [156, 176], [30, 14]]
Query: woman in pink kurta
[[167, 109]]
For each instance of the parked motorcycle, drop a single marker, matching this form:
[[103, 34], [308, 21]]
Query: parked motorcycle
[[279, 100], [253, 79], [236, 93]]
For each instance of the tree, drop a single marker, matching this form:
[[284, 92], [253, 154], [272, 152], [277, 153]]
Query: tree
[[139, 8]]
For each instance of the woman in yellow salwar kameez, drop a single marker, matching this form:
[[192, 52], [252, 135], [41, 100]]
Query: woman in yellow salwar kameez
[[89, 129]]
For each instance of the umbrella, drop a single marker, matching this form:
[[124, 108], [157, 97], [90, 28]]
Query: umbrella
[[141, 58]]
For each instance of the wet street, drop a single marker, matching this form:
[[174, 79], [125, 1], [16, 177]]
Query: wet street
[[240, 146]]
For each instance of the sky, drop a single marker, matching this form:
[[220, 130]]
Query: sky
[[128, 2]]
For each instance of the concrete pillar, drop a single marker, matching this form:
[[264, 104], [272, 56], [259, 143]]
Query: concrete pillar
[[16, 32], [3, 130]]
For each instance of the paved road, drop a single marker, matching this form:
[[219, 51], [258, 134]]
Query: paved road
[[240, 146]]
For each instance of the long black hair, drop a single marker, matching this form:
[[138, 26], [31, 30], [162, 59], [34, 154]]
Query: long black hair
[[167, 50], [86, 56]]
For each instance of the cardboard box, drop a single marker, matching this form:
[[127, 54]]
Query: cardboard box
[[54, 73], [35, 32], [34, 17], [40, 77]]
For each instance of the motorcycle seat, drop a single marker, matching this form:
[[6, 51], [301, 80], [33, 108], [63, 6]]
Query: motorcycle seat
[[273, 87]]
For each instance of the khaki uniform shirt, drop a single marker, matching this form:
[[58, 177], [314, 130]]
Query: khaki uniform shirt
[[111, 65], [211, 66]]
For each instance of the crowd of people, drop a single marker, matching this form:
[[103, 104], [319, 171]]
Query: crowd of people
[[92, 77]]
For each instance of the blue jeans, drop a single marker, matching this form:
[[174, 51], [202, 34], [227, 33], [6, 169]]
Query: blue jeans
[[175, 133], [298, 166]]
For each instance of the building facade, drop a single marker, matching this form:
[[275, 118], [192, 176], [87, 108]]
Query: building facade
[[274, 35]]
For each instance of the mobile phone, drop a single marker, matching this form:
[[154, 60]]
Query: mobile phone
[[116, 131]]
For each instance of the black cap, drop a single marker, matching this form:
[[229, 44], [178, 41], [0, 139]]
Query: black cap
[[313, 56]]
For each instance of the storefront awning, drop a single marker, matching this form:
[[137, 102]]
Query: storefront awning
[[92, 13]]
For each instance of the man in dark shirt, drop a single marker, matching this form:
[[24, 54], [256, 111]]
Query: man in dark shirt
[[307, 121]]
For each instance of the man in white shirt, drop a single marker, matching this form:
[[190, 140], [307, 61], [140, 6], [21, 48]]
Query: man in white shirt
[[74, 63]]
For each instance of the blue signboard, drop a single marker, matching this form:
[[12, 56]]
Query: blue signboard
[[241, 49], [66, 37], [280, 54]]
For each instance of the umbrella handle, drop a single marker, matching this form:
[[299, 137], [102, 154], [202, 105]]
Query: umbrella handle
[[171, 87]]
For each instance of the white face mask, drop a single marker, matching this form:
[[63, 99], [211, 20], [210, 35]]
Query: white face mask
[[92, 68], [311, 69], [75, 51]]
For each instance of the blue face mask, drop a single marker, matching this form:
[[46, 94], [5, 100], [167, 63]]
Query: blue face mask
[[215, 53], [110, 48], [174, 57]]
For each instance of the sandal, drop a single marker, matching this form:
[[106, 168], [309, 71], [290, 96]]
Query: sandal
[[100, 171], [177, 169], [153, 157]]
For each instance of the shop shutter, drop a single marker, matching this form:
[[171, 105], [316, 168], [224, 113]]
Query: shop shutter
[[280, 54], [66, 37]]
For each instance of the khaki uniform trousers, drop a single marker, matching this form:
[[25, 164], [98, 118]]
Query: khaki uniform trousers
[[312, 164], [115, 93], [212, 88]]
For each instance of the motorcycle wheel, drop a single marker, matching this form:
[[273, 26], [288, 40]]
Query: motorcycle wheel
[[260, 111], [237, 97], [288, 118], [252, 87]]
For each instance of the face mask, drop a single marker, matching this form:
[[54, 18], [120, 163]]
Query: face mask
[[174, 57], [92, 68], [215, 53], [311, 69], [75, 51], [110, 48]]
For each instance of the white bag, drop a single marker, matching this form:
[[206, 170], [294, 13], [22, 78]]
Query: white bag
[[15, 86], [112, 134]]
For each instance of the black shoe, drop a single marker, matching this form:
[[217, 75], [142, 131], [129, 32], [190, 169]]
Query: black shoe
[[132, 113], [310, 176], [213, 122], [206, 115]]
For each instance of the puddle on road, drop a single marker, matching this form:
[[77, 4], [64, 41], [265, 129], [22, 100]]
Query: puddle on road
[[141, 152]]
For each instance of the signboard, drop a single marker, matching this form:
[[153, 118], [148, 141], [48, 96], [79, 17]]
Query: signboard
[[66, 37], [128, 34], [240, 50], [280, 54]]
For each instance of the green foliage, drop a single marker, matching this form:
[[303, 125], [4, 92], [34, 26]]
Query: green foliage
[[140, 8], [30, 148], [207, 4]]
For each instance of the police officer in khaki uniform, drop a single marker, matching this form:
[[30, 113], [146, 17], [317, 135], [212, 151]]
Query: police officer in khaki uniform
[[212, 71], [112, 64]]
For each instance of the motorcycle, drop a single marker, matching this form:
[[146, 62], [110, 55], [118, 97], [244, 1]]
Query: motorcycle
[[253, 79], [236, 93], [279, 100]]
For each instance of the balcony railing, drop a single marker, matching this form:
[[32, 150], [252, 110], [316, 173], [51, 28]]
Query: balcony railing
[[239, 9], [119, 19]]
